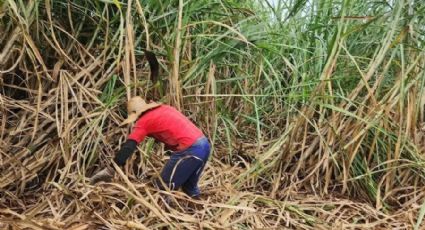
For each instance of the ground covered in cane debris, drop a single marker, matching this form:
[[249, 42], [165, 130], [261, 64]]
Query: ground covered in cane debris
[[231, 199], [133, 203]]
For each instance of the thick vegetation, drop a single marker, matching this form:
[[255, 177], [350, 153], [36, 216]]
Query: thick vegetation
[[316, 112]]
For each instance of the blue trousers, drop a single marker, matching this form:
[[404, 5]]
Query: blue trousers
[[184, 168]]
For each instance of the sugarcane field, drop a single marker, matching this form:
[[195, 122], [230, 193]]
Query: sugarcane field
[[212, 114]]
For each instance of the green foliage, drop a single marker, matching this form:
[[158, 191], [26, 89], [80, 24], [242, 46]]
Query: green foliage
[[330, 92]]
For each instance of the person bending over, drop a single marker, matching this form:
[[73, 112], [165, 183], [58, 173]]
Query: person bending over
[[190, 148]]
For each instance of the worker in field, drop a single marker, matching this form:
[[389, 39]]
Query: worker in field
[[190, 148]]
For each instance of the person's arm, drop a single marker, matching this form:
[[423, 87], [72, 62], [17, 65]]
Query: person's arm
[[136, 136], [125, 152]]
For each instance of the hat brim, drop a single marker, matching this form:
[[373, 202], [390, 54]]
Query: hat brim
[[131, 118], [134, 116]]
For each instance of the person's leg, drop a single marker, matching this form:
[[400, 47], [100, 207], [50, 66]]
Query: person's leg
[[202, 152], [190, 187], [178, 169]]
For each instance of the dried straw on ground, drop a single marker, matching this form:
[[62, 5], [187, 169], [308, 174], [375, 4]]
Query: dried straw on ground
[[316, 114]]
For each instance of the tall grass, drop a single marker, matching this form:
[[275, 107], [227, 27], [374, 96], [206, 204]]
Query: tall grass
[[315, 110]]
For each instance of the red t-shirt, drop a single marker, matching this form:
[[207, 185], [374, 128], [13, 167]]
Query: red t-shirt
[[167, 125]]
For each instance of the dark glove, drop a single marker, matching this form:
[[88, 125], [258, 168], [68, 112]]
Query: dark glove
[[125, 152]]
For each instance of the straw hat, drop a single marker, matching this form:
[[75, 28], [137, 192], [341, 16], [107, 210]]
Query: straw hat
[[135, 107]]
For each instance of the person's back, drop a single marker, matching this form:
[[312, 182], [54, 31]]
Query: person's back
[[167, 125]]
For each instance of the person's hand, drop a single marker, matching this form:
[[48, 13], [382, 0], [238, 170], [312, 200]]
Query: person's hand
[[105, 174]]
